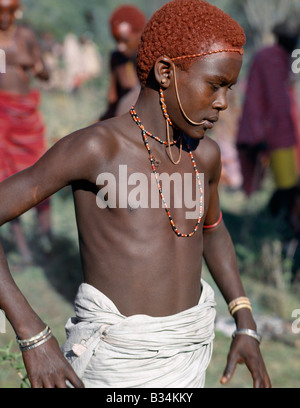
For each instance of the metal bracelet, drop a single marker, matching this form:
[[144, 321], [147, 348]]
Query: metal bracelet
[[34, 339], [248, 332], [36, 344]]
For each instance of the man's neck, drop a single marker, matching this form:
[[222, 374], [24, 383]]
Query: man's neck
[[149, 110]]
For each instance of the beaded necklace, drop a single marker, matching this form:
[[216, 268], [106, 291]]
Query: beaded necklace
[[138, 122], [145, 133]]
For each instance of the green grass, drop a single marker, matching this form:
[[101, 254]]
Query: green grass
[[282, 363], [281, 357], [51, 283]]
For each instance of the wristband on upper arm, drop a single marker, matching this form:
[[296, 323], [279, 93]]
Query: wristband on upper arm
[[215, 224]]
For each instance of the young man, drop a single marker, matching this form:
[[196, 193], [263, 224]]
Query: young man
[[144, 316]]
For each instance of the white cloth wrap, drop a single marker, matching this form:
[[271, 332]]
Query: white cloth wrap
[[113, 350]]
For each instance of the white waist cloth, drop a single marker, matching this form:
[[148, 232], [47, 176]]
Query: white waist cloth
[[107, 349]]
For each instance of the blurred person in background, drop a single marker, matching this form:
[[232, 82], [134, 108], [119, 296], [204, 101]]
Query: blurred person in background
[[22, 129], [268, 130], [269, 135], [225, 136], [91, 58], [52, 53], [126, 23], [72, 61], [81, 61]]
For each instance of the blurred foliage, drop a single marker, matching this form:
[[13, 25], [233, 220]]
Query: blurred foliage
[[79, 16], [15, 361]]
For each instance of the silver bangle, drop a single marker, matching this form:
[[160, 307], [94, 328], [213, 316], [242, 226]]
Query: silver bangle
[[37, 344], [34, 339], [248, 332]]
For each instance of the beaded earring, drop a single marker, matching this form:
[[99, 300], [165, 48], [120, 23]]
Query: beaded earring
[[169, 123], [180, 104]]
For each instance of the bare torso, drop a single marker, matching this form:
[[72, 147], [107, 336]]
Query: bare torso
[[131, 254], [22, 58]]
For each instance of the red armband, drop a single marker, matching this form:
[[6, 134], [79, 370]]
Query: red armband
[[216, 223]]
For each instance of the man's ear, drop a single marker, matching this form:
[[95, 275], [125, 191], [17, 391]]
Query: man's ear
[[163, 71]]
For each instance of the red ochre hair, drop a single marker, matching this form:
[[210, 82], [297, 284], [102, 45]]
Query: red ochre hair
[[129, 14], [185, 27]]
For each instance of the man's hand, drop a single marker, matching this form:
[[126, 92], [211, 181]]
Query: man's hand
[[245, 350], [47, 367]]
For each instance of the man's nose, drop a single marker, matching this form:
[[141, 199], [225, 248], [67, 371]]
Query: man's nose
[[220, 102]]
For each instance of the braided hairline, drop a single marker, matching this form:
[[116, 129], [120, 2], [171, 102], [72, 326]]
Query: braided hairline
[[185, 28], [238, 50]]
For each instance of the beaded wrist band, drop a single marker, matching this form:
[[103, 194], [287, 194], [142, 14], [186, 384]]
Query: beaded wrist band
[[248, 332], [241, 302], [35, 341]]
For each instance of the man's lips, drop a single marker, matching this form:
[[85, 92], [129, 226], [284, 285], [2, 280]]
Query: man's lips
[[209, 123]]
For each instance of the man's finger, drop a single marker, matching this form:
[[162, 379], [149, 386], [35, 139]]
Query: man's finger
[[75, 381], [228, 372]]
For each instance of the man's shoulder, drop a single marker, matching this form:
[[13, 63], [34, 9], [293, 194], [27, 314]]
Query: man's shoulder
[[100, 138], [208, 149], [94, 136], [208, 155]]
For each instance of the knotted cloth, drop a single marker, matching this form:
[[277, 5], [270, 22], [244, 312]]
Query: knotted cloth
[[107, 349]]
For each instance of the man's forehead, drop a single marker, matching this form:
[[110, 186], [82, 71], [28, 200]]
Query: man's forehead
[[222, 58], [226, 65]]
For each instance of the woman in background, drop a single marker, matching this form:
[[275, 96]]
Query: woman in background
[[22, 129]]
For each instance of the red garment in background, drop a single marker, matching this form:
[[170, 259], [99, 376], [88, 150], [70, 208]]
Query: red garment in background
[[22, 129]]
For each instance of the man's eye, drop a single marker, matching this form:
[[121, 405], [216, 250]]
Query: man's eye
[[215, 87]]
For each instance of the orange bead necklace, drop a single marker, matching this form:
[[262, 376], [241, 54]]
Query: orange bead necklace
[[145, 133]]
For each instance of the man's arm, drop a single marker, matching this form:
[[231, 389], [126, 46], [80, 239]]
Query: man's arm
[[220, 258], [70, 158], [39, 68], [45, 365]]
